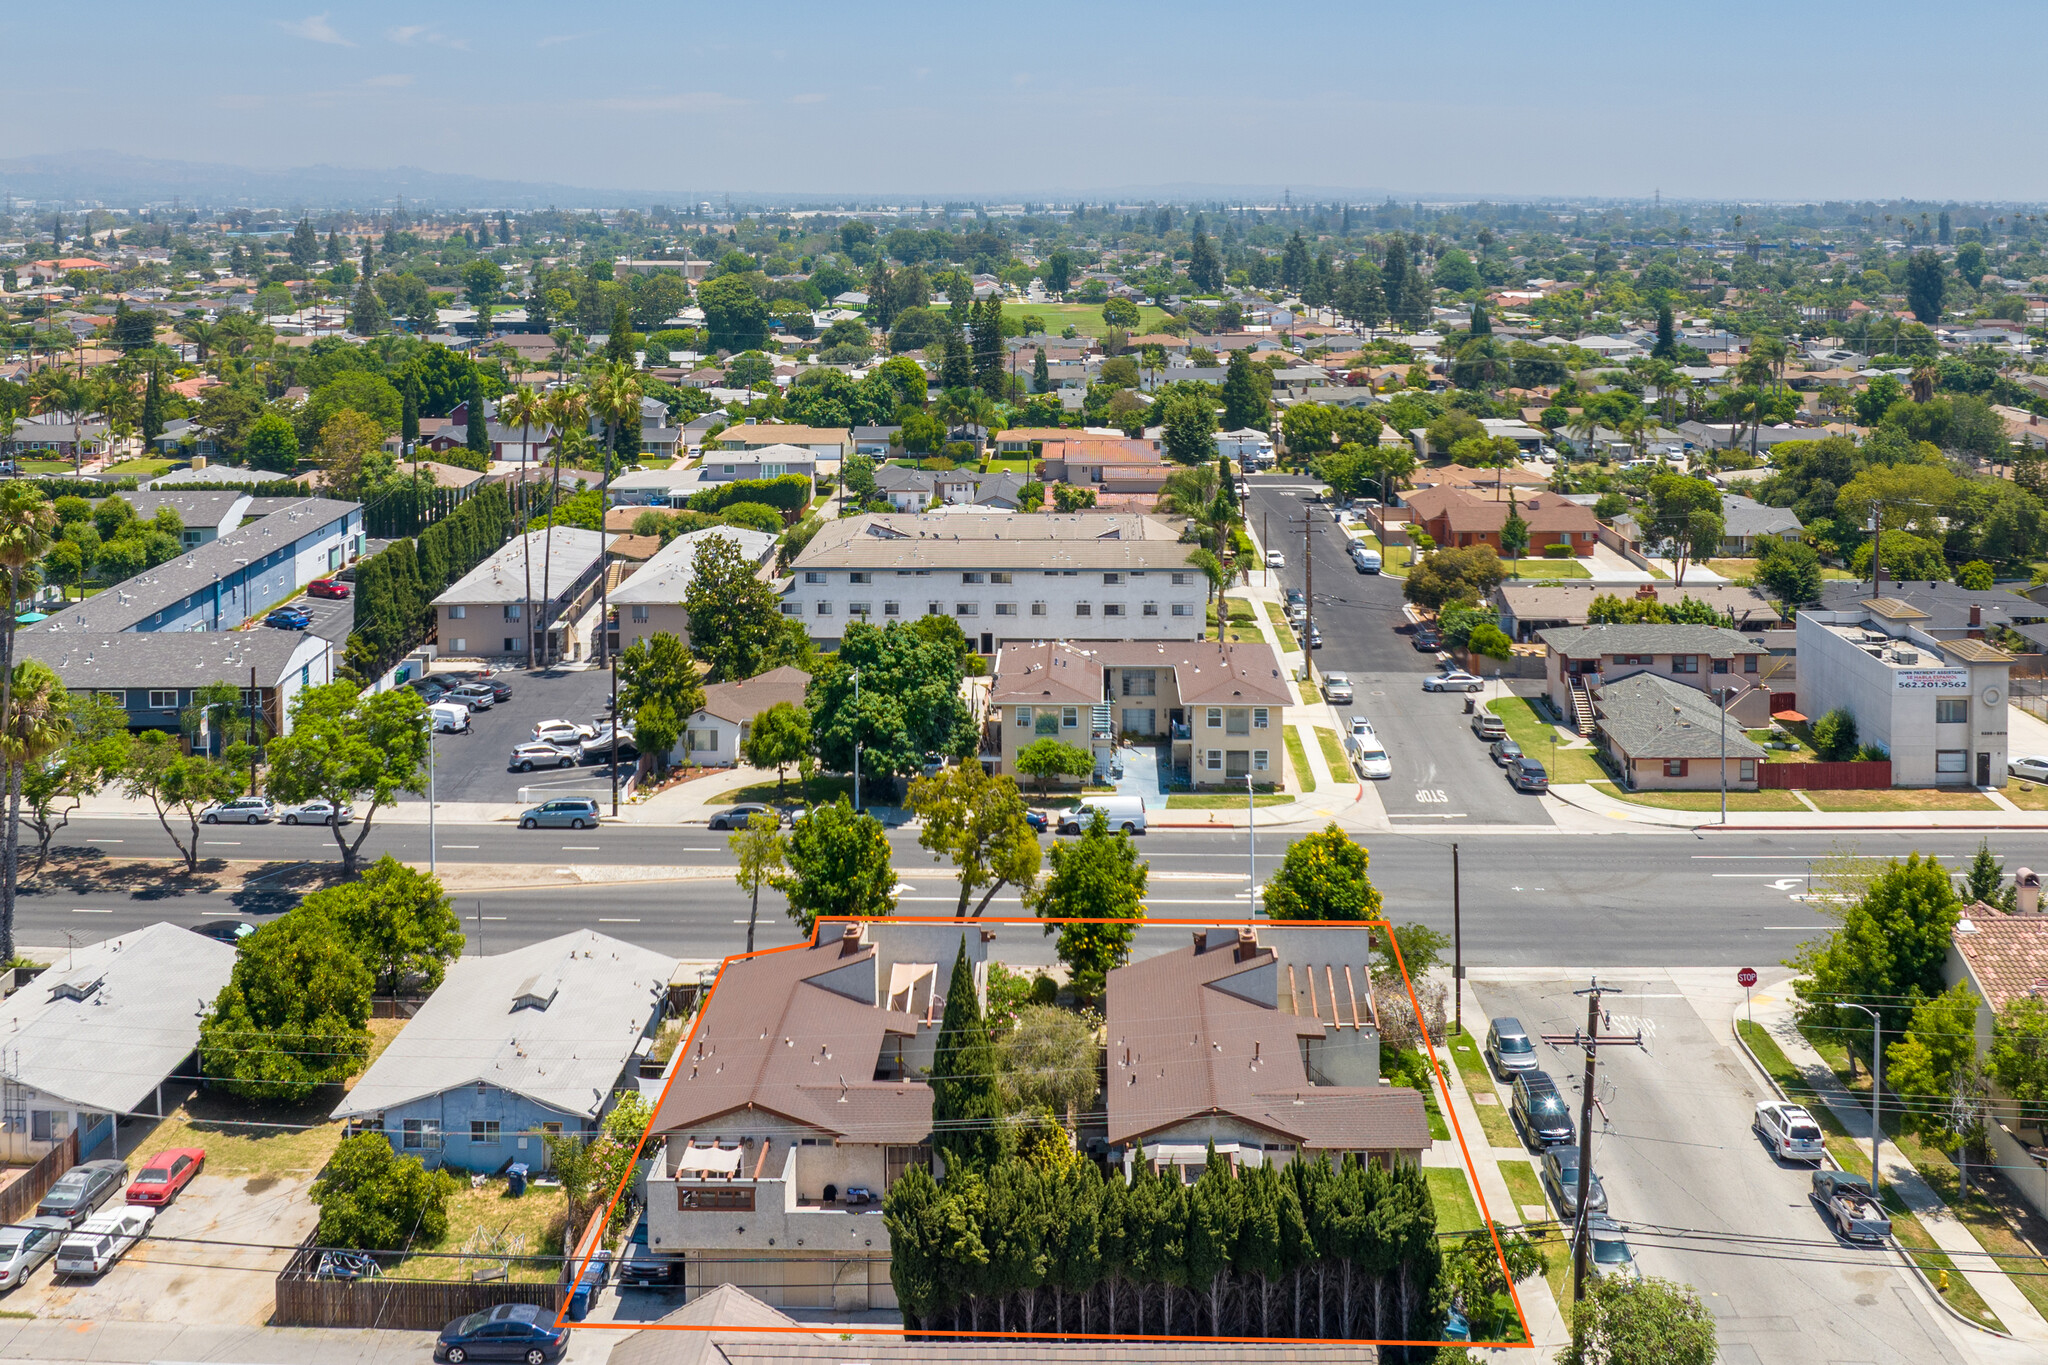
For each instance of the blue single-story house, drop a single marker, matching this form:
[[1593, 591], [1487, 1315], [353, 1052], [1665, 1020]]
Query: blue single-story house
[[539, 1041]]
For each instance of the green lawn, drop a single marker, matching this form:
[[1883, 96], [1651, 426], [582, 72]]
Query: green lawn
[[1277, 614], [822, 789], [1394, 561], [1534, 734], [1500, 1131], [1548, 568], [45, 466], [1900, 799], [1244, 623], [140, 469], [489, 1223], [1297, 756], [1704, 801], [1333, 750], [1224, 800], [1524, 1186], [1086, 318], [1456, 1210]]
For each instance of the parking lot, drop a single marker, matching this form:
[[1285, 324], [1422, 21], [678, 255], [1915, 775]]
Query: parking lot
[[473, 767]]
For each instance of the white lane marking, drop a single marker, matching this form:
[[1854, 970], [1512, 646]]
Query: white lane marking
[[223, 843], [1426, 815], [618, 921], [459, 845], [488, 918], [80, 910], [579, 848]]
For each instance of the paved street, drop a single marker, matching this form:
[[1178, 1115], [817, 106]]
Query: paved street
[[1442, 774], [1675, 1152]]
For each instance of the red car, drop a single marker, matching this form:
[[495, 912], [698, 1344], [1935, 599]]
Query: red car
[[164, 1174], [326, 587]]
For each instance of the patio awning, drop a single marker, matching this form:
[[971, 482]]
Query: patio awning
[[1792, 717], [712, 1160]]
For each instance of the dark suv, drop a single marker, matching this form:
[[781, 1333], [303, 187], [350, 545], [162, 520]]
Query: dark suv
[[1540, 1112]]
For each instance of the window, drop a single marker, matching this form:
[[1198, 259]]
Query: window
[[973, 578], [462, 646], [164, 701], [1748, 770], [813, 576], [1685, 663], [695, 1198], [792, 609], [1083, 609], [1237, 721], [639, 611], [1675, 767], [1213, 760], [1001, 578], [1622, 660], [483, 1130], [966, 609], [1181, 580], [1260, 760], [860, 577], [1749, 663], [1951, 761], [824, 608], [1215, 718], [892, 609], [1722, 665], [1006, 608], [1070, 717], [1140, 682], [1183, 609], [512, 612], [1151, 609], [511, 645], [1260, 715], [1112, 609], [860, 609], [412, 1132], [1112, 579], [774, 471], [1024, 715], [701, 740], [931, 609], [458, 613], [1038, 608], [1947, 710]]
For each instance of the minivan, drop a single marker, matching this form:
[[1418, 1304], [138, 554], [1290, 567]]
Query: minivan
[[567, 812], [1508, 1047], [1123, 813]]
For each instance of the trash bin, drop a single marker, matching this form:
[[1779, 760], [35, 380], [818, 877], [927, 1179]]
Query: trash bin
[[1471, 704], [587, 1284], [515, 1176]]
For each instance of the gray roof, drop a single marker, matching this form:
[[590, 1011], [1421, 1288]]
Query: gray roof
[[1570, 602], [214, 473], [1582, 642], [666, 577], [1026, 540], [168, 659], [1648, 716], [221, 510], [1747, 517], [556, 1022], [502, 577], [108, 1046], [1947, 606]]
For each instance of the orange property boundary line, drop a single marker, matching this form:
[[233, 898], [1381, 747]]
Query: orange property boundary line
[[595, 1236]]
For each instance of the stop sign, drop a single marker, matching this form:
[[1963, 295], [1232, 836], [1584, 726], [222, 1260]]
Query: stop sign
[[1746, 977]]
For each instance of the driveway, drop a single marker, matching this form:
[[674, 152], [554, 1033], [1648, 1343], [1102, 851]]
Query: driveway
[[1442, 773], [472, 767], [204, 1281]]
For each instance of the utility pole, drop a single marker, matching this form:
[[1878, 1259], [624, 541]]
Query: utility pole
[[1308, 620], [252, 731], [1457, 949], [856, 741], [1592, 1040]]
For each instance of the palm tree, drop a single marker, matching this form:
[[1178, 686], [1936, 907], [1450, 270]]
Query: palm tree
[[615, 397], [524, 407], [200, 333], [28, 525], [1212, 569], [567, 408], [1581, 428], [1925, 376]]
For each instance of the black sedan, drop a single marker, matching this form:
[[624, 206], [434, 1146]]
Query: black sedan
[[82, 1189], [511, 1331]]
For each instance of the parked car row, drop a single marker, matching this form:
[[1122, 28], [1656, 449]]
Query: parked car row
[[261, 810], [564, 744], [73, 1226], [1851, 1208]]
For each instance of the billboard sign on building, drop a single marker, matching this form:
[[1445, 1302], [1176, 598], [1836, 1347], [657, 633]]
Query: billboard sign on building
[[1932, 679]]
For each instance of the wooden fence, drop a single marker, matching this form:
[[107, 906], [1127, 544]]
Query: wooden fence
[[19, 1199], [303, 1300], [1823, 776]]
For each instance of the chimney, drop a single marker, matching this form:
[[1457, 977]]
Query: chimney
[[1247, 944], [199, 462], [1201, 942], [1976, 615], [2027, 884], [1646, 592]]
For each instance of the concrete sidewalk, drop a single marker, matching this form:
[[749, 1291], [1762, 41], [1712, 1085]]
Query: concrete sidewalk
[[1773, 1012], [1597, 802]]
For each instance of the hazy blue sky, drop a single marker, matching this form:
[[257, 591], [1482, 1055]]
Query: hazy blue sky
[[1788, 99]]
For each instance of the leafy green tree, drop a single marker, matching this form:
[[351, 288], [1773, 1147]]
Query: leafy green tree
[[1048, 758], [1985, 881], [2019, 1055], [1641, 1322], [1121, 312], [1464, 574], [372, 1199], [1667, 335], [350, 747], [1514, 533], [1935, 1064], [1686, 512], [294, 1015], [908, 710], [977, 821], [1247, 393], [400, 923], [1323, 876], [1097, 877], [780, 736], [1887, 952], [734, 314], [1489, 641], [1049, 1061], [367, 315], [656, 676], [736, 623], [1926, 285], [1790, 571], [272, 443], [763, 855], [1976, 576], [156, 768], [1834, 736], [967, 1111], [1190, 425], [838, 867], [1068, 497], [91, 733]]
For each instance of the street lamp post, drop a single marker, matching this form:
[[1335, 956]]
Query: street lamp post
[[1876, 1085], [1251, 886], [432, 869]]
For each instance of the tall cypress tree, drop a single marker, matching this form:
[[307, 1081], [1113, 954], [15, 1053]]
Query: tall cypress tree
[[1482, 325], [957, 370], [967, 1108], [409, 419], [1247, 393], [153, 404], [1667, 335], [1041, 374], [478, 434], [988, 348], [618, 346]]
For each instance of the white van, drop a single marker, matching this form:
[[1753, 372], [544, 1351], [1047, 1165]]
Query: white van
[[1368, 755], [1363, 559], [1124, 813], [449, 718]]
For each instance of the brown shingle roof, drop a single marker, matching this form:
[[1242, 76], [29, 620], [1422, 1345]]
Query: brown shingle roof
[[2008, 954], [1189, 1037], [1476, 515], [749, 698], [774, 1038], [1208, 672]]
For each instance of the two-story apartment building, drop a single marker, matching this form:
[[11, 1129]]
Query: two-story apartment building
[[799, 1101], [1583, 659], [1002, 576], [484, 613], [651, 601], [1220, 708], [762, 462], [1938, 707], [827, 445], [1455, 517], [1267, 1049]]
